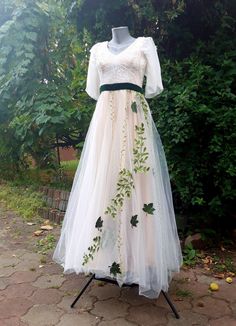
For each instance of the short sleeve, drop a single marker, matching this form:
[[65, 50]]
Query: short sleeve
[[154, 84], [93, 81]]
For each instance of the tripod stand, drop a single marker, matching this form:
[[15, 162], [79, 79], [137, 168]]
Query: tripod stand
[[131, 285]]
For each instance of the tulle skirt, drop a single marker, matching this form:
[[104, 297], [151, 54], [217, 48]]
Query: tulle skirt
[[120, 220]]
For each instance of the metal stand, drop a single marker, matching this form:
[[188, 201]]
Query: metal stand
[[130, 285]]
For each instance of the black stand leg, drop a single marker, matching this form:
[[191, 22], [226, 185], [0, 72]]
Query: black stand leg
[[82, 291], [171, 304], [113, 281]]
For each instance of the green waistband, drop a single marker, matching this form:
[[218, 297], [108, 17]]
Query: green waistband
[[117, 86]]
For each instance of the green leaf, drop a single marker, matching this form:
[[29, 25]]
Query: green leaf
[[134, 107], [148, 208], [191, 254], [115, 269], [134, 220], [99, 223]]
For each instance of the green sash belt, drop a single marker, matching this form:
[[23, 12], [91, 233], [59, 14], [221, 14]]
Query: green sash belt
[[116, 86]]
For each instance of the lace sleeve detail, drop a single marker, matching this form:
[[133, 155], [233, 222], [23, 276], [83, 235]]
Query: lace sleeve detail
[[93, 80], [154, 84]]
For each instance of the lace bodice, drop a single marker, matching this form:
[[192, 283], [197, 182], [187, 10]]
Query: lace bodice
[[139, 59]]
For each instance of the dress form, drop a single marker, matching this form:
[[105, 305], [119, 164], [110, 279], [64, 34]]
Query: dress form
[[121, 39]]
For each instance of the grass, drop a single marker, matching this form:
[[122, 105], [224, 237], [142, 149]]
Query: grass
[[43, 260], [183, 293], [60, 178], [223, 264], [24, 201], [45, 244], [70, 165]]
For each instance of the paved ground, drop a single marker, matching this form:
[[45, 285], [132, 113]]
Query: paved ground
[[34, 291]]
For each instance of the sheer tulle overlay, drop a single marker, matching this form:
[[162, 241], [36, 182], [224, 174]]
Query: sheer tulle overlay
[[120, 220], [146, 251]]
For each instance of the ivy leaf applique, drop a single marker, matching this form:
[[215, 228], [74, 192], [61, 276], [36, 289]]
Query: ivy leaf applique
[[134, 107], [99, 223], [115, 268], [134, 220], [148, 208]]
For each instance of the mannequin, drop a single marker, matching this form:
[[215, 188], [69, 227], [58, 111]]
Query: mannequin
[[121, 39], [122, 176]]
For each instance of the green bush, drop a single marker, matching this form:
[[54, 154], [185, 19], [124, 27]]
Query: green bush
[[196, 118]]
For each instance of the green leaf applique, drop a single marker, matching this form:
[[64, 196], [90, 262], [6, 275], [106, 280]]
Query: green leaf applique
[[134, 220], [140, 152], [115, 269], [148, 208], [124, 187], [91, 250], [134, 107], [99, 223]]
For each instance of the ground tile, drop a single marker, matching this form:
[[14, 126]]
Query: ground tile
[[7, 271], [147, 315], [224, 321], [105, 292], [187, 318], [179, 303], [83, 319], [233, 308], [23, 290], [52, 268], [226, 292], [211, 307], [4, 281], [48, 281], [110, 309], [12, 321], [46, 296], [7, 260], [24, 276], [117, 322], [73, 284], [84, 304], [130, 295], [14, 307], [42, 315], [193, 289]]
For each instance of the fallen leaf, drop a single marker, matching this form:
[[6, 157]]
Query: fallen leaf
[[222, 248], [206, 268], [185, 268], [38, 232], [219, 275], [30, 223], [46, 222], [207, 260], [46, 227]]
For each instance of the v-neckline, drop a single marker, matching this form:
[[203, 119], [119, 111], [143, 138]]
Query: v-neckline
[[106, 43]]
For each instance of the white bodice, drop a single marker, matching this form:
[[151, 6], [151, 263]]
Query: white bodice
[[139, 59]]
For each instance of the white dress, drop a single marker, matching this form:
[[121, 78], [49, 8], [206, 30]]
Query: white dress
[[120, 220]]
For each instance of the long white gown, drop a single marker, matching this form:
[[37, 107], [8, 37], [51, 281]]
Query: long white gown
[[120, 220]]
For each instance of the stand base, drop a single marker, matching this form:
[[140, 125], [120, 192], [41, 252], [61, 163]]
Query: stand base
[[93, 277]]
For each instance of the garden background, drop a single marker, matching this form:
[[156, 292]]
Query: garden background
[[44, 48]]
